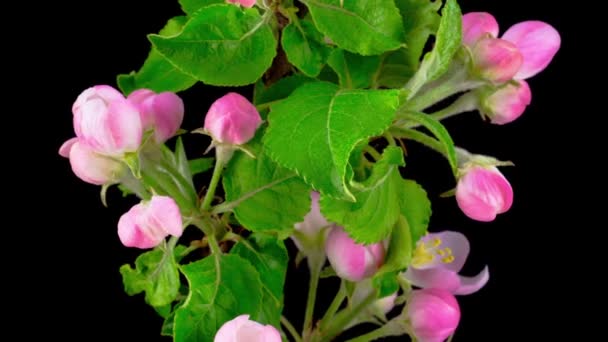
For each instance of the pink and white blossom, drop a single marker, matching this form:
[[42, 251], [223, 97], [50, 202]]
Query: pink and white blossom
[[434, 314], [437, 260], [242, 329], [148, 223], [350, 260], [232, 119], [163, 112], [483, 192]]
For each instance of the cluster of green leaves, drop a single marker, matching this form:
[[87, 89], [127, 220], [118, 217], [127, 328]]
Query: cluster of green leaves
[[352, 64]]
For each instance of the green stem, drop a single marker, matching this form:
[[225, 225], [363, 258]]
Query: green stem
[[392, 328], [372, 152], [215, 179], [412, 134], [209, 230], [334, 306], [315, 272], [287, 324], [266, 105], [444, 88], [227, 206], [344, 317]]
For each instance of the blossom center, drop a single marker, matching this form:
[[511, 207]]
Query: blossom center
[[427, 251]]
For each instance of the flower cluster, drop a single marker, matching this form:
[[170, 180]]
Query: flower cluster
[[314, 158]]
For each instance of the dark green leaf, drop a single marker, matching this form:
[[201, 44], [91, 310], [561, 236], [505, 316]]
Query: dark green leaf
[[191, 6], [157, 73], [304, 47], [314, 131], [221, 45], [354, 71], [367, 27], [221, 288], [268, 256], [283, 200]]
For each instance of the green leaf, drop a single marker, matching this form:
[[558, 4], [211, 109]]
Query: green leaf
[[314, 131], [221, 288], [367, 27], [263, 95], [155, 274], [191, 6], [416, 208], [200, 165], [283, 201], [420, 20], [181, 161], [354, 71], [400, 248], [221, 45], [304, 47], [447, 43], [371, 218], [268, 256], [440, 132], [386, 283], [157, 73]]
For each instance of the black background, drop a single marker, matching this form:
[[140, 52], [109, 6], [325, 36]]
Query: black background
[[71, 253]]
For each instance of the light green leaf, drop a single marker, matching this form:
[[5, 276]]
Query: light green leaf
[[157, 73], [268, 256], [314, 131], [263, 95], [420, 20], [304, 47], [221, 288], [155, 274], [221, 45], [191, 6], [283, 201], [354, 71], [447, 43], [439, 131], [371, 218], [416, 208], [200, 165], [181, 161], [366, 27]]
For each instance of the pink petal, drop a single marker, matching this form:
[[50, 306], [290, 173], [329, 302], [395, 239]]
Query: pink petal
[[537, 41], [169, 114], [130, 232], [434, 314], [459, 245], [232, 119], [166, 215], [482, 193], [435, 278], [476, 25], [124, 127], [350, 260], [244, 3], [470, 285], [92, 167], [228, 331], [508, 103], [496, 60], [65, 148]]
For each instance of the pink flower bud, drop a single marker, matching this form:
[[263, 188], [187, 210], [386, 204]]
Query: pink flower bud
[[90, 166], [350, 260], [106, 122], [434, 314], [496, 60], [241, 329], [538, 42], [483, 192], [244, 3], [476, 25], [147, 224], [310, 228], [162, 112], [507, 103], [232, 119]]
